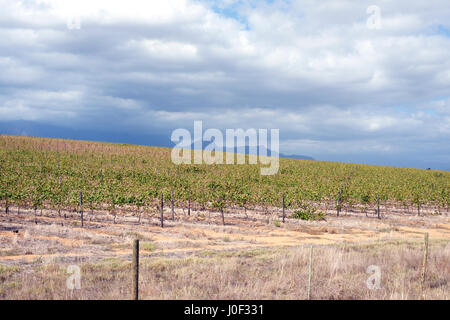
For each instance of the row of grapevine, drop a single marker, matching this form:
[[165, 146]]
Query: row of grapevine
[[51, 172]]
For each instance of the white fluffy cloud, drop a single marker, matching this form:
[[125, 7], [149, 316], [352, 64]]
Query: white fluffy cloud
[[314, 69]]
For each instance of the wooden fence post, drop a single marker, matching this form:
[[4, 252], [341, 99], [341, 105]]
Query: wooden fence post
[[425, 259], [189, 206], [162, 210], [283, 208], [135, 266], [310, 272], [173, 209]]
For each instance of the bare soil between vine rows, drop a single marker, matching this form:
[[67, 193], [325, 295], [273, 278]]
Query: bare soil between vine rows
[[55, 238]]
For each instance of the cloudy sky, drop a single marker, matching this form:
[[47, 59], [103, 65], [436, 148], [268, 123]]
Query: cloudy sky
[[341, 83]]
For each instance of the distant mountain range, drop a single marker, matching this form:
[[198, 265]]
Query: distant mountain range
[[36, 129], [267, 152], [296, 156]]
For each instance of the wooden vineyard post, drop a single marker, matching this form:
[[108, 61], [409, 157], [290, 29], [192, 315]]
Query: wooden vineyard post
[[162, 210], [65, 216], [283, 208], [6, 205], [139, 216], [425, 260], [173, 209], [221, 211], [339, 204], [135, 266], [81, 208], [378, 206], [189, 207], [418, 205], [60, 200], [310, 272]]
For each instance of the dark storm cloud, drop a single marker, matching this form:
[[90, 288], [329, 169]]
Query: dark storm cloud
[[336, 89]]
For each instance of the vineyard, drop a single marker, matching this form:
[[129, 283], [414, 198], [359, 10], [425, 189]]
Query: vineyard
[[200, 226], [51, 173]]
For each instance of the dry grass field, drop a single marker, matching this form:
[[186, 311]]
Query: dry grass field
[[254, 256]]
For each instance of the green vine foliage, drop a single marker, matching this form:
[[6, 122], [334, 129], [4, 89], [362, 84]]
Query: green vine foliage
[[52, 172], [308, 211]]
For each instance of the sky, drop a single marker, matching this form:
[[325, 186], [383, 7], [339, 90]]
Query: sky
[[341, 80]]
